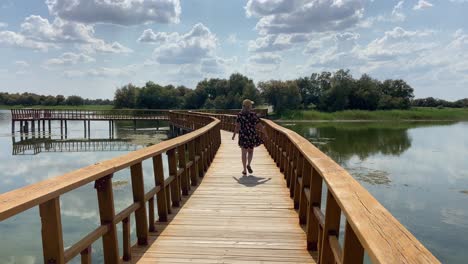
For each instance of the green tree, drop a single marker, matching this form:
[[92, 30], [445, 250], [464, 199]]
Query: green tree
[[400, 94], [74, 100], [281, 95], [126, 96], [366, 94]]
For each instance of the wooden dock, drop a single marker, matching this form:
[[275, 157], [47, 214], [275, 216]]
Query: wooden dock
[[232, 219], [208, 213]]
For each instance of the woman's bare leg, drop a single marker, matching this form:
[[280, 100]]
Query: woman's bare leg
[[244, 160], [250, 155]]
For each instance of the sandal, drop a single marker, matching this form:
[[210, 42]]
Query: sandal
[[249, 169], [244, 173]]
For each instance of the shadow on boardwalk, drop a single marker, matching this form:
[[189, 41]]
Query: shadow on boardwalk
[[251, 180]]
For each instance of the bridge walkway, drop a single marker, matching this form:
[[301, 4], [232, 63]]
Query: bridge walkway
[[232, 219]]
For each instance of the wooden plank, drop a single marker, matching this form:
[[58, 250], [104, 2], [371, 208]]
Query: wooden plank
[[230, 218]]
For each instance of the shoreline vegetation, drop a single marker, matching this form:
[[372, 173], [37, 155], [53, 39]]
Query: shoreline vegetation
[[413, 114]]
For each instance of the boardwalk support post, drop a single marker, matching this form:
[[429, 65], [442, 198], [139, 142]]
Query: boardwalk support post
[[105, 196], [139, 197], [52, 240]]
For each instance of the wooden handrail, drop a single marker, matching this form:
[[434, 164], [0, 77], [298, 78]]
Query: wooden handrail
[[202, 143], [369, 226]]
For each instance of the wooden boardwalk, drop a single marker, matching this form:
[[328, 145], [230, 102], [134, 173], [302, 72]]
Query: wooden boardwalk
[[232, 219]]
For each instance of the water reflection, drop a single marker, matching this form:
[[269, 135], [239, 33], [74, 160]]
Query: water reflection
[[124, 139], [417, 170], [55, 154], [342, 141]]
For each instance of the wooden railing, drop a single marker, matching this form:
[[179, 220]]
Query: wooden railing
[[260, 112], [116, 114], [77, 114], [188, 158], [369, 227]]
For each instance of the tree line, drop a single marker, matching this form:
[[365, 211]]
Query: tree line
[[32, 99], [208, 94], [324, 91]]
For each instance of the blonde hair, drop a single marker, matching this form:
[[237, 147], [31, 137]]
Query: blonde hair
[[246, 108]]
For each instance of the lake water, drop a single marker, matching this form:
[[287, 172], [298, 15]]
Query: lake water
[[418, 171], [26, 161]]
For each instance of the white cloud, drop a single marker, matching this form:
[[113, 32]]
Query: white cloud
[[69, 58], [216, 65], [192, 47], [422, 5], [103, 72], [232, 38], [265, 58], [279, 42], [3, 25], [39, 29], [13, 39], [21, 63], [99, 45], [38, 33], [304, 16], [397, 12], [121, 12], [397, 42]]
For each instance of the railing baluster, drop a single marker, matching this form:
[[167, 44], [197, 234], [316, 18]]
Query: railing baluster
[[184, 179], [303, 202], [139, 197], [193, 167], [107, 213], [313, 225], [331, 228], [175, 186], [161, 195], [86, 255], [52, 238], [127, 253], [353, 252], [151, 227]]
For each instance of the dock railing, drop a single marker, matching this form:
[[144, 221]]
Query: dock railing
[[369, 227], [189, 156], [80, 114]]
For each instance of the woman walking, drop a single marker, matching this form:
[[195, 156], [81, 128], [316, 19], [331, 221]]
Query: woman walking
[[246, 126]]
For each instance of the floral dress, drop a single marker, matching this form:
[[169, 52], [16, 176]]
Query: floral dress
[[248, 137]]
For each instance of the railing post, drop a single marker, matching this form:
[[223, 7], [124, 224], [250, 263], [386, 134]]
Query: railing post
[[175, 185], [193, 168], [353, 252], [313, 225], [127, 253], [331, 228], [139, 197], [184, 179], [198, 151], [159, 179], [306, 171], [52, 238], [107, 213], [296, 187]]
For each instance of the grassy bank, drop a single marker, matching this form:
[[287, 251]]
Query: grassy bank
[[81, 107], [417, 113]]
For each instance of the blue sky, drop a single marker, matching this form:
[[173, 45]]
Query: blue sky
[[92, 47]]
